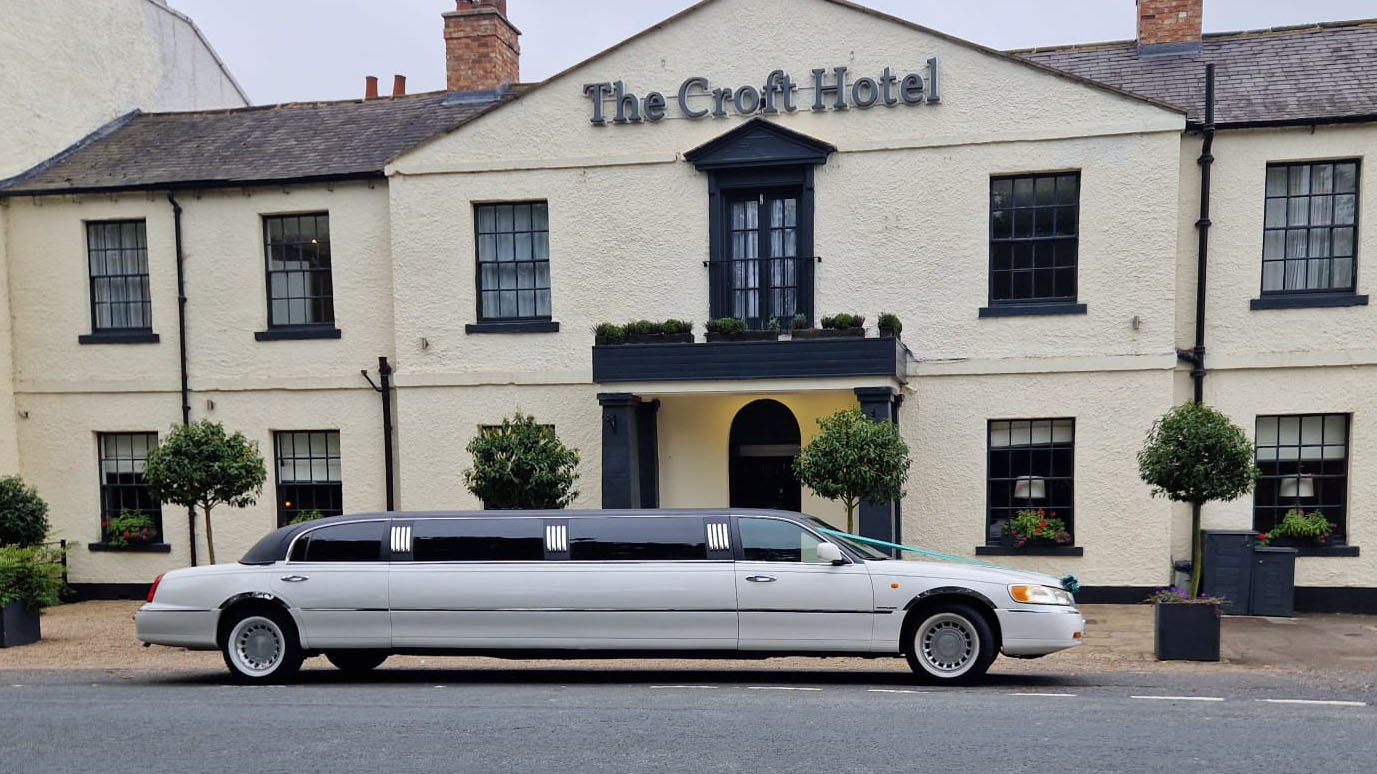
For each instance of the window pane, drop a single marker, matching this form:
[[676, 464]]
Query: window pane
[[360, 542], [478, 540], [772, 540], [637, 538], [513, 255]]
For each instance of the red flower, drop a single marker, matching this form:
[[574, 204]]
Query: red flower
[[1043, 522], [1054, 514], [1041, 513], [1262, 536], [126, 534]]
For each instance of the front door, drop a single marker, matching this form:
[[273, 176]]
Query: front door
[[337, 580], [763, 443], [788, 600]]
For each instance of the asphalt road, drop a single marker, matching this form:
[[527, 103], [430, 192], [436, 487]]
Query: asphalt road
[[729, 720]]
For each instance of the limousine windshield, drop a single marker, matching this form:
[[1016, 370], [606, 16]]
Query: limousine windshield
[[866, 551]]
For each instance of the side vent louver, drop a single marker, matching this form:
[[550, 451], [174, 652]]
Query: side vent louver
[[557, 538], [401, 540], [718, 538]]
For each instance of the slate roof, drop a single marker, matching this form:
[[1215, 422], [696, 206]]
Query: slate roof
[[276, 143], [1287, 75]]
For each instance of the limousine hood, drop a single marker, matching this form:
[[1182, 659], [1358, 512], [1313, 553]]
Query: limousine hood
[[959, 572]]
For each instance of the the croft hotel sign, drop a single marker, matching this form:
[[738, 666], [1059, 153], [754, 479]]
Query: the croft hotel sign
[[832, 89]]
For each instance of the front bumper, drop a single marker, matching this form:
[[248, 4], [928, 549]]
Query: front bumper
[[1037, 632], [181, 627]]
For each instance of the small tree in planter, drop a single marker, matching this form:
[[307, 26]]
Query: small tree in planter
[[837, 326], [854, 458], [1194, 454], [200, 465], [30, 575], [521, 464], [23, 514]]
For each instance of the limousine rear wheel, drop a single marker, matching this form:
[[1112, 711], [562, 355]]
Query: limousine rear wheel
[[355, 661], [950, 644], [261, 646]]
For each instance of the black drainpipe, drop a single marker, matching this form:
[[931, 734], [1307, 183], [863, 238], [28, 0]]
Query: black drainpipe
[[384, 386], [181, 344], [1196, 356]]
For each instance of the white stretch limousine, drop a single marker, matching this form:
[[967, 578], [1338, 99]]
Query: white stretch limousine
[[704, 583]]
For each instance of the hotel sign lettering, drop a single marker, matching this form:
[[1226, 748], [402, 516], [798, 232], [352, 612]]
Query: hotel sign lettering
[[832, 89]]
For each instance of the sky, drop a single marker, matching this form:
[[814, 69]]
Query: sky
[[300, 50]]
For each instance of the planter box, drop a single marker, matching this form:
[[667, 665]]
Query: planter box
[[886, 333], [1187, 633], [829, 333], [745, 336], [659, 338], [18, 625]]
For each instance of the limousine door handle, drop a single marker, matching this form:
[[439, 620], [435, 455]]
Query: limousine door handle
[[760, 578], [295, 578]]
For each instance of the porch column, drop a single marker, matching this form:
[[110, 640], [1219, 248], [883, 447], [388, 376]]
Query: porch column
[[621, 475], [648, 449], [880, 520]]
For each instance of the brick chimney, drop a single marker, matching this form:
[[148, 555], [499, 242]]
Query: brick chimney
[[1169, 27], [481, 48]]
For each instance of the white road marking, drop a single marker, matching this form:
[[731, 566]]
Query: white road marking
[[779, 688], [1180, 698], [1017, 693], [683, 686], [892, 690], [1324, 702]]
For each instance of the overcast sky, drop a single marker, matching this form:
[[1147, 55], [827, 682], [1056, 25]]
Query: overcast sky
[[292, 50]]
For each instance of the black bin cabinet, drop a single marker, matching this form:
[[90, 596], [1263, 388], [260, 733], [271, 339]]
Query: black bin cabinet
[[1252, 580]]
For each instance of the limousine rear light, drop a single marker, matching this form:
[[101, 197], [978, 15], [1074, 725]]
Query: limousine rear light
[[154, 588]]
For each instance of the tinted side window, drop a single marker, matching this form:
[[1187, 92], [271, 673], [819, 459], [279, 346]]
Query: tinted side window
[[649, 538], [478, 540], [341, 543], [772, 540]]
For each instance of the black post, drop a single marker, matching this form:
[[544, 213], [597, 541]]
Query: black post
[[181, 344], [1196, 356], [385, 382], [879, 520], [621, 482]]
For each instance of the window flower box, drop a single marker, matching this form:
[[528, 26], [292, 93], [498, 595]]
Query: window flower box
[[829, 333], [744, 336]]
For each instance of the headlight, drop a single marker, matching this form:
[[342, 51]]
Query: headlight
[[1041, 595]]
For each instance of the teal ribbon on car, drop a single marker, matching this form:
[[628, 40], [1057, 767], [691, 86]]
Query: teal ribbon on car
[[1071, 583]]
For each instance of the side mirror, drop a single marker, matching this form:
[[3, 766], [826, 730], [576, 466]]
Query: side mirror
[[828, 552]]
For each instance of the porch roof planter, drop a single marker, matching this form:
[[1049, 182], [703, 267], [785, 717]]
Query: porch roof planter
[[828, 333], [731, 360]]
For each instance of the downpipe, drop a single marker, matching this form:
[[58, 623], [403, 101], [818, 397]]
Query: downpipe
[[181, 344]]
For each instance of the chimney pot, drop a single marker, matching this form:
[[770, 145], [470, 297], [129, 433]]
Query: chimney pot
[[399, 85], [1169, 27], [370, 87], [481, 48]]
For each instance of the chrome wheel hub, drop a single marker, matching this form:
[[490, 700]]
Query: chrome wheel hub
[[948, 644], [256, 645]]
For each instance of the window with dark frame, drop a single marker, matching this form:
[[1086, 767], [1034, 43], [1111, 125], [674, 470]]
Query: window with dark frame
[[122, 488], [513, 249], [1304, 466], [300, 280], [651, 538], [478, 540], [762, 263], [1031, 466], [117, 258], [1310, 228], [1034, 234], [308, 473]]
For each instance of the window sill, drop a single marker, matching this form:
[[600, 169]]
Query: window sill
[[1025, 310], [1029, 551], [514, 326], [1308, 301], [1326, 550], [298, 334], [144, 548], [119, 337]]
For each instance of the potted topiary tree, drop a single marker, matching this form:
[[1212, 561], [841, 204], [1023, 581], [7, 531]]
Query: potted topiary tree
[[522, 464], [854, 458], [201, 465], [1194, 454], [30, 574]]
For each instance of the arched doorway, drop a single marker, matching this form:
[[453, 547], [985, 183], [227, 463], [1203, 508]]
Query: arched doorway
[[763, 443]]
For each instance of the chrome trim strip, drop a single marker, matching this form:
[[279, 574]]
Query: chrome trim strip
[[344, 610], [626, 610]]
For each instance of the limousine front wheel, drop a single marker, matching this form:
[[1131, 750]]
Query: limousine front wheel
[[261, 646], [950, 644]]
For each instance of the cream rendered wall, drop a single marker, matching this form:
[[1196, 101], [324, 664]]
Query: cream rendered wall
[[69, 67], [9, 445], [72, 391]]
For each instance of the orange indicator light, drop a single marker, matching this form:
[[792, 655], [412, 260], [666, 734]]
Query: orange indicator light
[[894, 585]]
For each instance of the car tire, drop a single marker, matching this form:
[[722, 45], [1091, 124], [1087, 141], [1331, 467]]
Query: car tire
[[356, 661], [949, 645], [260, 646]]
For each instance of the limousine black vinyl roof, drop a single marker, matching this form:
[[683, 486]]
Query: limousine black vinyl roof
[[275, 545]]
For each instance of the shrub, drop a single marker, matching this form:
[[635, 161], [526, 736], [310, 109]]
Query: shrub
[[610, 332], [23, 514], [201, 465], [644, 328], [1299, 525], [800, 322], [844, 321], [726, 325], [31, 575], [130, 528], [1194, 454], [1038, 526], [890, 322], [774, 325], [854, 458], [673, 327], [522, 464]]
